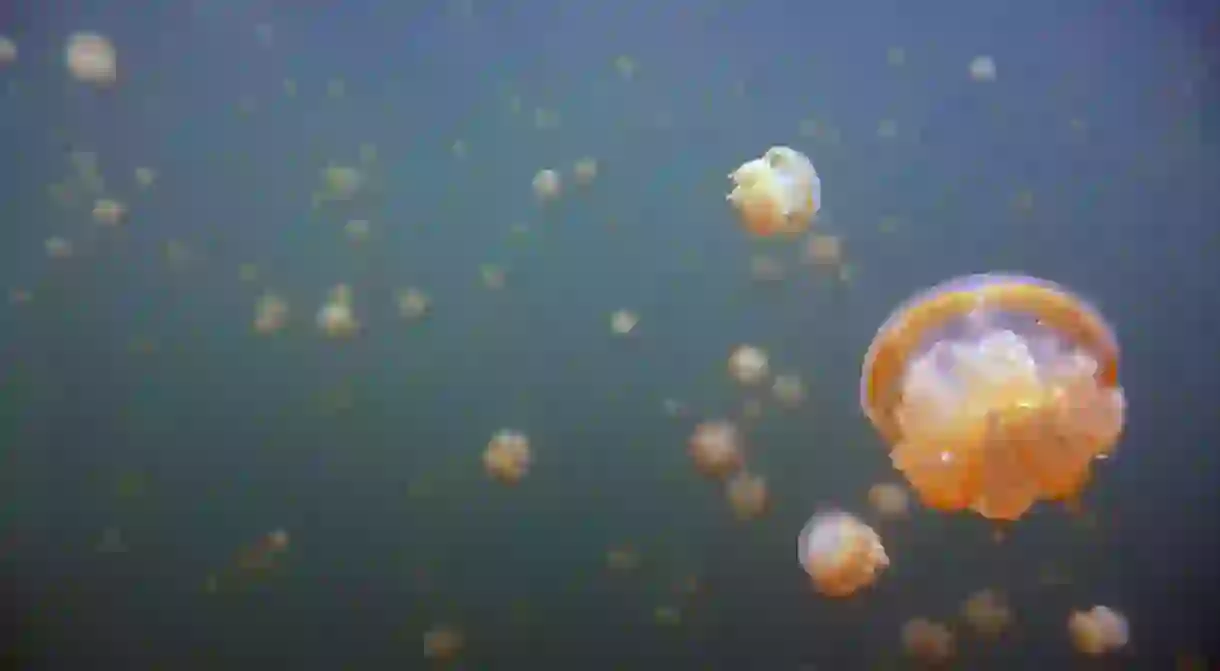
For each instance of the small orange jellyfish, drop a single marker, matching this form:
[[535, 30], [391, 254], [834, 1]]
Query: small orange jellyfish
[[994, 391], [777, 194], [507, 457], [715, 448], [987, 612], [927, 641], [443, 642], [890, 500], [748, 495], [1098, 631], [840, 553]]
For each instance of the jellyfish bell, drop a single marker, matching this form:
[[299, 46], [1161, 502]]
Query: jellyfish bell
[[715, 448], [777, 194], [994, 392], [1098, 631], [840, 553]]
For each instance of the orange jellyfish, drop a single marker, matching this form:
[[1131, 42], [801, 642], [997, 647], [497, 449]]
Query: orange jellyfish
[[748, 496], [927, 641], [994, 391], [715, 447], [508, 456], [840, 553], [777, 194]]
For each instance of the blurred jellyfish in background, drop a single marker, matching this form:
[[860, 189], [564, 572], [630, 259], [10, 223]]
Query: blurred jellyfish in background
[[749, 365], [840, 553], [927, 642], [777, 194], [507, 457], [994, 392], [748, 495], [1098, 631], [715, 447]]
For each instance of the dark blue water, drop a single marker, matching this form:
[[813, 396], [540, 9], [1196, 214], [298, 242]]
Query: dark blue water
[[134, 396]]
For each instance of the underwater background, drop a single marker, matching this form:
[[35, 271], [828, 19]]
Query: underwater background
[[152, 439]]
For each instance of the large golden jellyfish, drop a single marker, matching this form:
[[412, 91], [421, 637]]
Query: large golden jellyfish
[[777, 194], [994, 391]]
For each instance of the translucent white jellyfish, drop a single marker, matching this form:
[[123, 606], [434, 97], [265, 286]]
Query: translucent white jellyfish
[[546, 185], [840, 553], [748, 365], [715, 448], [91, 59], [336, 318], [270, 314], [983, 69], [413, 303], [748, 495], [508, 457], [777, 194], [927, 641], [8, 51], [1098, 631], [623, 322], [58, 247], [109, 212]]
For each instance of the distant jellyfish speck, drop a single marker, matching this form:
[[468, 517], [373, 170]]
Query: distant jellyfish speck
[[994, 392], [777, 194]]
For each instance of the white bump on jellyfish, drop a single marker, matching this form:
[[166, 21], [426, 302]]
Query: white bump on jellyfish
[[821, 537], [796, 175]]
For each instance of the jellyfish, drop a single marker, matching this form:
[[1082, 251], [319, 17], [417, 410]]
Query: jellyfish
[[715, 447], [507, 457], [1098, 631], [748, 496], [749, 365], [270, 314], [840, 553], [889, 499], [91, 59], [547, 185], [109, 212], [987, 612], [927, 641], [777, 194], [443, 642], [994, 392], [335, 318]]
